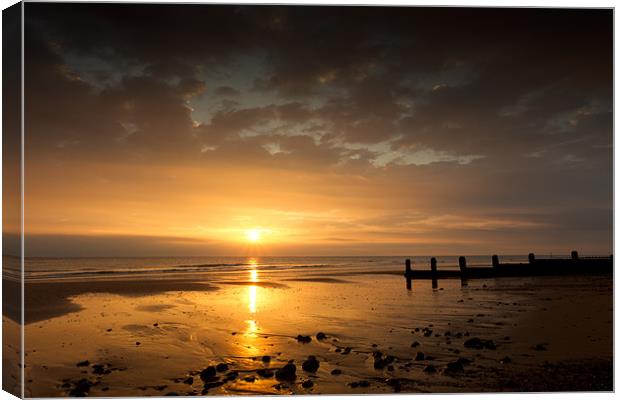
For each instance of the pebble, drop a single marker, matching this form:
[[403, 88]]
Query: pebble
[[429, 369], [84, 363], [477, 343], [420, 356], [336, 371], [307, 384], [454, 368], [311, 364], [321, 336], [286, 373], [264, 373], [221, 367], [266, 359], [415, 344], [540, 347], [208, 373], [189, 381], [304, 339]]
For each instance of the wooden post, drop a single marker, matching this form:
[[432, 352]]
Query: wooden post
[[463, 267], [495, 261], [434, 272], [531, 258], [574, 255], [408, 283], [407, 267]]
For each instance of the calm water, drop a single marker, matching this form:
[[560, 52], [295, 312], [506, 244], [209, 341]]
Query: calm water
[[67, 268]]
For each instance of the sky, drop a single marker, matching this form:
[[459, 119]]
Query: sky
[[192, 129]]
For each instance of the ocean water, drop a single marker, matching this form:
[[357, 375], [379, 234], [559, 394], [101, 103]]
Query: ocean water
[[162, 267]]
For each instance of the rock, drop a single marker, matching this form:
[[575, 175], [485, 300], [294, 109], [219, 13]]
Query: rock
[[266, 359], [109, 330], [189, 381], [264, 373], [171, 394], [379, 363], [464, 361], [304, 339], [489, 344], [336, 371], [221, 367], [428, 332], [540, 347], [211, 385], [354, 384], [346, 351], [420, 356], [81, 388], [506, 360], [473, 343], [84, 363], [454, 367], [477, 343], [159, 388], [232, 375], [99, 369], [394, 383], [250, 378], [307, 384], [287, 373], [364, 384], [429, 369], [321, 336], [208, 373], [415, 344], [311, 364], [156, 324], [137, 343], [470, 320]]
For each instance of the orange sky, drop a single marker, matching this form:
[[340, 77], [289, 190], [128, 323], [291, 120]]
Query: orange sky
[[391, 139]]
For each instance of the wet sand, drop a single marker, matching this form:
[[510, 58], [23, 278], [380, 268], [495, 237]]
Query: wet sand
[[367, 332]]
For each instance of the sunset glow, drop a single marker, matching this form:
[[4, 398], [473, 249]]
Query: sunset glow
[[253, 235], [369, 150]]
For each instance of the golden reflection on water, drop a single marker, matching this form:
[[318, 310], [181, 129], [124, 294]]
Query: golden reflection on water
[[252, 325], [252, 289]]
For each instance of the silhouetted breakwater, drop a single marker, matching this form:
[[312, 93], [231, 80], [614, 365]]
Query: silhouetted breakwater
[[574, 265]]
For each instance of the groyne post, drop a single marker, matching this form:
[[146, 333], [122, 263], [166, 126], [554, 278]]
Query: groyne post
[[408, 273], [531, 258], [463, 267], [434, 272], [574, 255], [495, 261]]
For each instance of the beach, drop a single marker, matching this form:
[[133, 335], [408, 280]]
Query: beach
[[346, 328]]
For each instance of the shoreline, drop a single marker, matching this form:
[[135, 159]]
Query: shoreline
[[153, 335]]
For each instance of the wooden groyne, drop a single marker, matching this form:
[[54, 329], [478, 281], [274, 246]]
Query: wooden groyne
[[574, 265]]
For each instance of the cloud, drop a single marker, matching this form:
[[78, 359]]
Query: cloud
[[445, 111]]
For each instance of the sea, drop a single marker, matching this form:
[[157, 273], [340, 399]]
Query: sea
[[39, 268]]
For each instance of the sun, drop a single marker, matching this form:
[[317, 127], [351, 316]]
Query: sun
[[253, 235]]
